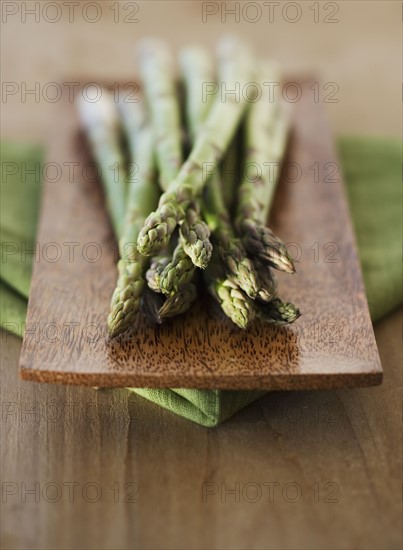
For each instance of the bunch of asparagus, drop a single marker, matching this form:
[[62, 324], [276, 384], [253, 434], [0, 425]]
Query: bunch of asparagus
[[179, 221]]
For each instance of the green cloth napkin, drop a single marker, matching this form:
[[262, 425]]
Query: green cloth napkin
[[21, 181], [372, 171]]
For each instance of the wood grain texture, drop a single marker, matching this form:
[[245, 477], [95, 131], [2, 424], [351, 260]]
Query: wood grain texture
[[331, 346], [74, 435]]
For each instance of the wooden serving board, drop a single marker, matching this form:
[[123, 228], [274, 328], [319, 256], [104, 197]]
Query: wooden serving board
[[331, 346]]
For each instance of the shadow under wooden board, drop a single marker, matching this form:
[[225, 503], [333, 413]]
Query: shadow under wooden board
[[331, 346]]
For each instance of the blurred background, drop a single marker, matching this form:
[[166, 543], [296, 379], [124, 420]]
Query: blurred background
[[356, 45]]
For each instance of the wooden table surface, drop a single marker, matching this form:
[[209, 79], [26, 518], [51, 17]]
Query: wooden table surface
[[295, 470]]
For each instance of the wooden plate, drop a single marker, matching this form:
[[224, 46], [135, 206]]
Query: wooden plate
[[331, 346]]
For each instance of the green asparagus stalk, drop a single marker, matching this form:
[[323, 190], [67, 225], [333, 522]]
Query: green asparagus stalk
[[157, 72], [179, 302], [210, 145], [233, 301], [157, 69], [101, 125], [157, 266], [172, 277], [142, 197], [168, 273], [278, 312], [252, 277], [238, 267], [230, 174], [267, 126], [267, 283], [158, 308], [178, 272], [195, 236], [197, 71]]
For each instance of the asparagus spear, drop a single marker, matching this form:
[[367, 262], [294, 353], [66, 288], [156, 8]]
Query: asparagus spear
[[158, 308], [233, 301], [238, 267], [167, 273], [197, 68], [210, 145], [157, 266], [197, 71], [195, 235], [267, 127], [250, 276], [179, 302], [157, 69], [267, 282], [230, 173], [142, 197], [101, 124], [278, 312]]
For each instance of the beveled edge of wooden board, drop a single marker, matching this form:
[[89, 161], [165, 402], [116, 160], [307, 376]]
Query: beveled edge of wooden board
[[275, 381]]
